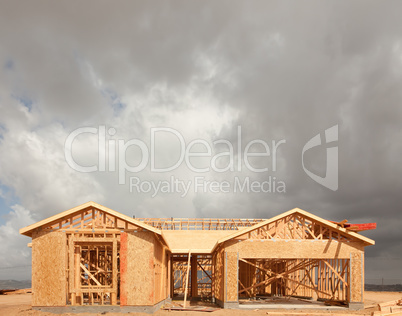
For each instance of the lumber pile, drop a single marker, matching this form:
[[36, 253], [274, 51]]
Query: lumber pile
[[393, 308]]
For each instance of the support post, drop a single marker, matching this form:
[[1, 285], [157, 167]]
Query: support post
[[71, 279], [194, 278], [188, 268], [77, 274], [113, 297], [357, 281], [169, 275]]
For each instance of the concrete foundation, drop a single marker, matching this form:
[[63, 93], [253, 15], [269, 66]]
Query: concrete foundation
[[291, 307], [229, 305], [356, 306], [100, 309]]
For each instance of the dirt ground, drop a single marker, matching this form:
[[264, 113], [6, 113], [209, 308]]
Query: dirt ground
[[20, 305]]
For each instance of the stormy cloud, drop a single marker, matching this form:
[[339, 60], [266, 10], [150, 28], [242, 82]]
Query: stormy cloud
[[279, 70]]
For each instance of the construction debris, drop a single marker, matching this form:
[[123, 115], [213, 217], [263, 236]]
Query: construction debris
[[304, 300], [335, 303], [191, 308]]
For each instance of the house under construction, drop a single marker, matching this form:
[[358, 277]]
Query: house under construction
[[91, 255]]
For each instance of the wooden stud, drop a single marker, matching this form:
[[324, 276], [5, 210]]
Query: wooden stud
[[187, 273]]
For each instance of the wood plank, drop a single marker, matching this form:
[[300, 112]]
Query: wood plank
[[113, 296], [334, 271], [379, 313], [188, 268], [390, 303], [77, 272], [204, 270]]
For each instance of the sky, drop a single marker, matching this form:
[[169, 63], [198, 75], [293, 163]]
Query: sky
[[104, 101]]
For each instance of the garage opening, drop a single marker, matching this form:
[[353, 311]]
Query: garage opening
[[294, 281]]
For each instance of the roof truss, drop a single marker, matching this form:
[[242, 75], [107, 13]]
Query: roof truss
[[297, 224], [200, 223], [88, 216]]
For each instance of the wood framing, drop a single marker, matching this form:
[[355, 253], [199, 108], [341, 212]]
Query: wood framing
[[90, 215], [92, 255]]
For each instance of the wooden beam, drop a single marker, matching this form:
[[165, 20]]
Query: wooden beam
[[257, 266], [90, 274], [283, 275], [204, 271], [248, 291], [194, 283], [334, 271], [77, 271], [113, 297], [71, 284], [188, 268]]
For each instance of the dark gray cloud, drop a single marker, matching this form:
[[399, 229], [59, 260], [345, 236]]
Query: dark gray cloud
[[279, 70]]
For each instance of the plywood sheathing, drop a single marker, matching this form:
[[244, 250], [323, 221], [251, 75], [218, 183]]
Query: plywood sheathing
[[144, 278], [357, 277], [200, 241], [137, 285], [218, 285], [161, 263], [123, 269], [293, 249], [231, 282], [49, 269]]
